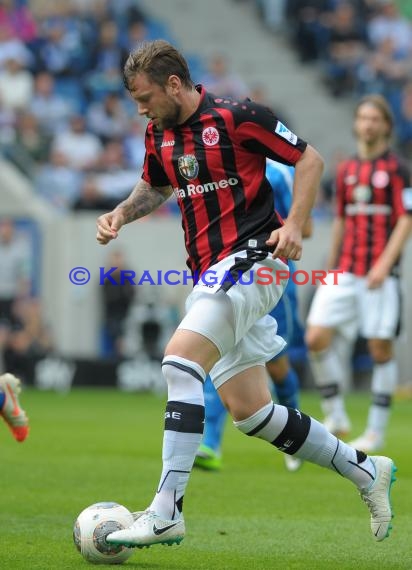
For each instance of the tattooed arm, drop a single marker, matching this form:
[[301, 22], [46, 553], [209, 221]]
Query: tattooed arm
[[143, 200]]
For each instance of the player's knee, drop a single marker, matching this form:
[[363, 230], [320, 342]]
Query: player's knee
[[318, 338], [179, 372], [193, 347], [241, 410], [381, 350], [251, 423]]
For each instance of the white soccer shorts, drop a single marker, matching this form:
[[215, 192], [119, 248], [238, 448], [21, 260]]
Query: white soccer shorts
[[235, 317], [351, 308]]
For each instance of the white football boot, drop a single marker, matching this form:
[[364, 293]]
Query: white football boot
[[149, 529], [377, 497]]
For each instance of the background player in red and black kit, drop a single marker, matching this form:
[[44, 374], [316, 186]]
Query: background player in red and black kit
[[372, 225], [211, 153]]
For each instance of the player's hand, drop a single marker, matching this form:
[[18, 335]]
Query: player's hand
[[376, 276], [108, 226], [288, 241]]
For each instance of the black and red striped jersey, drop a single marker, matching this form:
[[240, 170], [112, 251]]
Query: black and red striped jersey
[[215, 162], [371, 196]]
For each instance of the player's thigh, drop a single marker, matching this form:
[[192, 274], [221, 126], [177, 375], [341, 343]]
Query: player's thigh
[[319, 338], [209, 318], [282, 316], [259, 345], [380, 309], [193, 346], [286, 315], [223, 310]]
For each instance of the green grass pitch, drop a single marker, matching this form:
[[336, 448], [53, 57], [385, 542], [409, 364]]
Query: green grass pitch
[[96, 445]]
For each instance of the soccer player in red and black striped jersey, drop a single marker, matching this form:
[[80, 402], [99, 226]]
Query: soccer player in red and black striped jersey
[[372, 224], [211, 153]]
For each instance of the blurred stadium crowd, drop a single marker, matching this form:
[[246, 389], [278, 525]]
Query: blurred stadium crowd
[[68, 125], [358, 46]]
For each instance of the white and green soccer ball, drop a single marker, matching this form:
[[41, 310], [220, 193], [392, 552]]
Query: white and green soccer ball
[[92, 527]]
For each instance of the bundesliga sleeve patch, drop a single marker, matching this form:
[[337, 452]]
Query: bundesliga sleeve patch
[[284, 132], [407, 198]]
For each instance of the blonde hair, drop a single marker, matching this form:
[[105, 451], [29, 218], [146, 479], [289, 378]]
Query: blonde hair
[[159, 60]]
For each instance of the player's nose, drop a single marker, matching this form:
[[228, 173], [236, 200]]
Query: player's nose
[[142, 109]]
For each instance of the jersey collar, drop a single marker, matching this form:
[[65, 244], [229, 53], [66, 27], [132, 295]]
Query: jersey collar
[[202, 105]]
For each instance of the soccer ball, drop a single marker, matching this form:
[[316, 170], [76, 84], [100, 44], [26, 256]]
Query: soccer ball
[[93, 525]]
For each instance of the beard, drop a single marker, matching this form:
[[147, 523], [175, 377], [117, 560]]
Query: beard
[[172, 119]]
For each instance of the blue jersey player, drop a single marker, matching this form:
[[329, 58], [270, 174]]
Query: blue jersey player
[[284, 378]]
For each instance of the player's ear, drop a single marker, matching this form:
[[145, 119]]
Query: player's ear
[[174, 84]]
